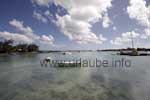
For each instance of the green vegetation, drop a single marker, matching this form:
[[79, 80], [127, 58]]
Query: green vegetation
[[8, 46]]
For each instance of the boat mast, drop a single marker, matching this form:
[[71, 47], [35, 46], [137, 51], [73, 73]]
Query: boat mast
[[132, 40]]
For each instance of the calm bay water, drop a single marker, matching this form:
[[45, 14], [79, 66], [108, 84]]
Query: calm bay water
[[23, 78]]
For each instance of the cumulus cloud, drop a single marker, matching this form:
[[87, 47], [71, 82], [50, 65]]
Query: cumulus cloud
[[44, 17], [114, 28], [82, 14], [140, 11], [47, 39], [124, 38], [147, 31], [78, 31], [15, 37], [40, 17], [147, 34], [47, 13], [102, 38], [19, 25], [42, 2], [106, 21], [26, 34]]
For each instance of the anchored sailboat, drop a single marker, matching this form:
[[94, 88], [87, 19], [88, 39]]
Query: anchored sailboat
[[133, 51]]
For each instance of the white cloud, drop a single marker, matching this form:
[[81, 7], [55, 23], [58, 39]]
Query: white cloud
[[87, 13], [77, 24], [47, 39], [147, 31], [102, 38], [15, 37], [77, 30], [47, 13], [42, 2], [117, 41], [40, 17], [146, 35], [19, 25], [139, 11], [25, 30], [114, 28], [26, 34], [106, 21], [125, 37]]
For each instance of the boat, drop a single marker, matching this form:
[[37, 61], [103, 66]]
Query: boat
[[45, 61], [48, 59], [133, 51], [66, 53]]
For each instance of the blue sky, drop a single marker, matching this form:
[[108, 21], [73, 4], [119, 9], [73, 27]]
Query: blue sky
[[76, 24]]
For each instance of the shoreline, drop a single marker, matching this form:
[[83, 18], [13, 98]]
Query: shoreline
[[51, 51]]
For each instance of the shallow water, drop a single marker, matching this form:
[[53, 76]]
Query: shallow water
[[23, 78]]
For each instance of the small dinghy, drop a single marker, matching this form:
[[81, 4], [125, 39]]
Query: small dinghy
[[48, 59], [66, 53], [45, 61]]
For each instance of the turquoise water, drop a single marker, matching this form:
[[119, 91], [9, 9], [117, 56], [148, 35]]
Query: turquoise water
[[23, 78]]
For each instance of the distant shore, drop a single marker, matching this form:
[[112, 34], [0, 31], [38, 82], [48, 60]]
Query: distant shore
[[103, 50]]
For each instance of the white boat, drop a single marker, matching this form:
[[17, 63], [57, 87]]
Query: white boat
[[48, 59], [66, 53], [45, 61]]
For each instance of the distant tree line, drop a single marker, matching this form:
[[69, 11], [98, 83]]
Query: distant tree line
[[127, 49], [8, 46]]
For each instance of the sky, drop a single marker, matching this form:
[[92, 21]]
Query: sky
[[76, 24]]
